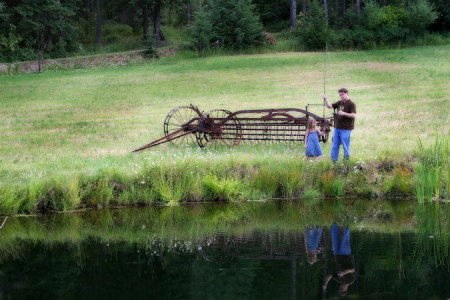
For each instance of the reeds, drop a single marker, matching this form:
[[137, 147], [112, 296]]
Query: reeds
[[225, 177], [432, 171], [433, 228]]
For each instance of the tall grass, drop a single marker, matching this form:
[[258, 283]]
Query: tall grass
[[433, 170], [234, 177], [433, 223]]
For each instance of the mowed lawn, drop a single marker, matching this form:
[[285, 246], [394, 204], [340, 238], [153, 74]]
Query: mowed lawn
[[81, 121]]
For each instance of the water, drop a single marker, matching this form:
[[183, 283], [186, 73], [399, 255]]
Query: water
[[273, 250]]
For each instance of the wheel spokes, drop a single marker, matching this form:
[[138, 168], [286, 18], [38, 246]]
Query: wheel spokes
[[182, 117]]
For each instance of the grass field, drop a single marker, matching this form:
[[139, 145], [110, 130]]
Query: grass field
[[72, 123]]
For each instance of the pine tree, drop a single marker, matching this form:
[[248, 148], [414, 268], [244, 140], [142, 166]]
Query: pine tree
[[201, 31], [45, 25], [316, 32], [235, 23], [421, 14]]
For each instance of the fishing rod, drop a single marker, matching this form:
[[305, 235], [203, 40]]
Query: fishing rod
[[325, 76]]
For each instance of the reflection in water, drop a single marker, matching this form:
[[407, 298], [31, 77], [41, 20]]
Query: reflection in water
[[343, 259], [249, 251], [313, 235]]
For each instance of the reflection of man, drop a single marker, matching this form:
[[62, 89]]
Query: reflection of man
[[344, 261]]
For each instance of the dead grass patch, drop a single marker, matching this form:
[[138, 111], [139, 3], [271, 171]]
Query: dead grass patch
[[380, 66]]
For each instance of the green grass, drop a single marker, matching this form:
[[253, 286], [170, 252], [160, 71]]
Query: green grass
[[57, 126], [433, 171]]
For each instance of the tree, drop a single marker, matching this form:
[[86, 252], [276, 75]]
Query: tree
[[235, 23], [157, 21], [372, 14], [420, 14], [98, 31], [316, 32], [293, 14], [9, 40], [325, 10], [45, 25], [201, 31]]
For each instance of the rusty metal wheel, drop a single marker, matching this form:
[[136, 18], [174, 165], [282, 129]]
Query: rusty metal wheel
[[218, 128], [185, 118]]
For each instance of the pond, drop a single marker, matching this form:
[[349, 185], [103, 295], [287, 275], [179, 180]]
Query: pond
[[305, 249]]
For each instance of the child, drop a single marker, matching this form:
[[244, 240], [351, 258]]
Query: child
[[312, 240], [313, 148]]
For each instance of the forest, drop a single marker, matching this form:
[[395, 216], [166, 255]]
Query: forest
[[40, 29]]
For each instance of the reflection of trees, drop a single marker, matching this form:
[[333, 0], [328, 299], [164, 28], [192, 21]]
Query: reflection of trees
[[251, 250]]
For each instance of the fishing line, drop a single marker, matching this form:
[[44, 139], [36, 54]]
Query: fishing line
[[325, 76]]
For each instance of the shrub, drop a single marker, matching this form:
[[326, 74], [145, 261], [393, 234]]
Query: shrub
[[113, 32], [372, 15], [393, 16], [391, 35], [150, 51], [358, 38], [400, 184], [311, 193], [420, 14], [332, 185], [220, 189]]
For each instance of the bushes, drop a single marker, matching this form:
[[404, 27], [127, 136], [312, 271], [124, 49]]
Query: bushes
[[229, 24], [113, 32], [386, 26], [358, 38]]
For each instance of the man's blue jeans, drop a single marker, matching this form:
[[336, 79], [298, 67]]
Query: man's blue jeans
[[340, 137], [340, 245]]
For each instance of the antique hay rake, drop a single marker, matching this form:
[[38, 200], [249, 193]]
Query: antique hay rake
[[186, 124]]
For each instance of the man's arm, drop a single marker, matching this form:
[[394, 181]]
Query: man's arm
[[325, 282], [328, 104], [342, 273], [352, 112], [348, 115]]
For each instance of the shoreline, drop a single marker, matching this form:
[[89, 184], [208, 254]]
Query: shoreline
[[190, 181]]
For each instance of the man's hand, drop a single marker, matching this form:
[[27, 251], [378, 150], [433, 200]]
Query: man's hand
[[325, 99], [348, 115], [325, 282]]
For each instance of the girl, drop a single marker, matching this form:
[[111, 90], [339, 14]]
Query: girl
[[312, 145]]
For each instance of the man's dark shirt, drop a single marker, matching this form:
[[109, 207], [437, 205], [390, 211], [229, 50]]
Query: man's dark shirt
[[343, 122], [344, 263]]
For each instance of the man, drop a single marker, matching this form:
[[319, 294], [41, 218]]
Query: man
[[343, 123], [343, 259]]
